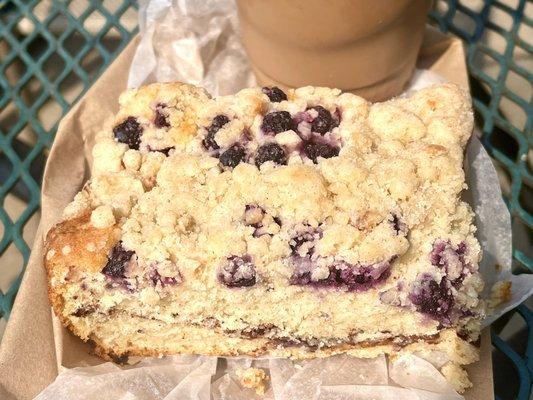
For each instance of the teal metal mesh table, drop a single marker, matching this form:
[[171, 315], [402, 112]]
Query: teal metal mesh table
[[52, 51]]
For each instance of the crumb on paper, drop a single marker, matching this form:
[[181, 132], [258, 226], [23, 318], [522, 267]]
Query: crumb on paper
[[253, 378], [500, 293], [497, 267], [457, 376]]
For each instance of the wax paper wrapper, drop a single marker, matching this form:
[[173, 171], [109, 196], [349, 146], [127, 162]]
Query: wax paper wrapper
[[197, 42]]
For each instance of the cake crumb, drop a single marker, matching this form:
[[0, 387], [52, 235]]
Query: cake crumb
[[253, 378], [500, 293], [102, 217], [457, 376]]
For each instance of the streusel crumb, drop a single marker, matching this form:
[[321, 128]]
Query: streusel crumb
[[253, 378]]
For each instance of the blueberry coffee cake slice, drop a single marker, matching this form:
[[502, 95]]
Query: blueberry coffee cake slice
[[297, 224]]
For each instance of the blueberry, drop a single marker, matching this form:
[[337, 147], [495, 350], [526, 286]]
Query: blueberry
[[436, 256], [161, 120], [363, 277], [433, 299], [277, 121], [323, 121], [218, 122], [270, 152], [237, 272], [129, 131], [232, 156], [274, 93], [116, 261], [462, 248], [450, 259], [314, 150]]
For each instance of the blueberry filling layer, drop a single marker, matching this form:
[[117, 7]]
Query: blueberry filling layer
[[341, 275]]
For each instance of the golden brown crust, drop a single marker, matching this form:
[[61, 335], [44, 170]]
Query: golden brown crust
[[75, 243], [66, 251]]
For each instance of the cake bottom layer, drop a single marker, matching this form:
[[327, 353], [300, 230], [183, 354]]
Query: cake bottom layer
[[120, 335]]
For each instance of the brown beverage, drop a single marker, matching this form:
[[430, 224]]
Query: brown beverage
[[368, 47]]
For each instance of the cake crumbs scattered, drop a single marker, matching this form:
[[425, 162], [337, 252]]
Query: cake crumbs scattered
[[500, 293], [253, 378]]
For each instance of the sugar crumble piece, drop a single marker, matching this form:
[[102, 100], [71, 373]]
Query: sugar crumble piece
[[253, 378]]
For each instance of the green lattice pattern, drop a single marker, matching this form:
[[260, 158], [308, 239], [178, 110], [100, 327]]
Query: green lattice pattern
[[46, 49], [507, 142]]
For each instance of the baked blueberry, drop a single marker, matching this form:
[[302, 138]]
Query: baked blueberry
[[232, 156], [129, 131], [277, 121], [363, 277], [433, 299], [237, 272], [209, 141], [323, 122], [161, 119], [314, 150], [270, 152], [451, 259], [274, 93], [116, 261]]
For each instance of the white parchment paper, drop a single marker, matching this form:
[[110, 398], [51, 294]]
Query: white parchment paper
[[197, 42]]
